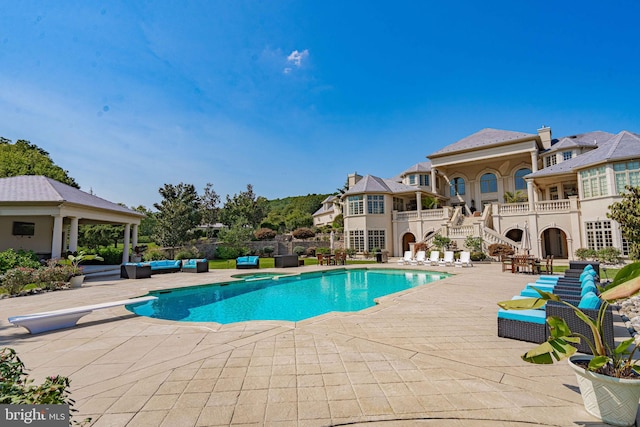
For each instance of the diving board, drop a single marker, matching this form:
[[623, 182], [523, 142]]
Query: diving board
[[68, 317]]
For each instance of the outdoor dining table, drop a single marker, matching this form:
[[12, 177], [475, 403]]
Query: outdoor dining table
[[525, 264]]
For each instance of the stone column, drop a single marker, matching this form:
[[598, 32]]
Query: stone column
[[125, 252], [434, 189], [530, 194], [534, 161], [134, 237], [56, 237], [73, 235]]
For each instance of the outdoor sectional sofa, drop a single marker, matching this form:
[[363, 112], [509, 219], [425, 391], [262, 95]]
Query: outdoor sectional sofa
[[248, 262], [142, 270], [530, 325], [195, 266]]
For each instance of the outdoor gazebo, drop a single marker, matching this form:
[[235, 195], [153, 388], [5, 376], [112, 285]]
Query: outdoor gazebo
[[41, 214]]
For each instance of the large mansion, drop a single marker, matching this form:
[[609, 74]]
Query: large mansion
[[506, 187]]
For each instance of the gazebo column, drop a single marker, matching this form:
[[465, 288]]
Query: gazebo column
[[73, 235], [127, 234], [134, 235], [56, 237]]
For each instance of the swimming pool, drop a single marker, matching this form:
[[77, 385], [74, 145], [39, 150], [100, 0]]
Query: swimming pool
[[291, 298]]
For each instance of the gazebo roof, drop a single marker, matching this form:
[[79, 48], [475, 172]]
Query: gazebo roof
[[40, 189]]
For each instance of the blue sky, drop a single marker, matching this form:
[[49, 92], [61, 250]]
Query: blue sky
[[292, 96]]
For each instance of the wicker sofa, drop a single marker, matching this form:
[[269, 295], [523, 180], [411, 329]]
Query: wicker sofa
[[248, 262], [195, 266]]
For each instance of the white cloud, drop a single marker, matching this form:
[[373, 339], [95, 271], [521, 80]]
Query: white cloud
[[296, 57]]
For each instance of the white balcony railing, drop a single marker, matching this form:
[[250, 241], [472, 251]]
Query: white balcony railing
[[553, 205], [507, 208]]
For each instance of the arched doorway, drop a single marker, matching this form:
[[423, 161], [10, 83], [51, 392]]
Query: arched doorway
[[514, 234], [554, 242], [406, 240]]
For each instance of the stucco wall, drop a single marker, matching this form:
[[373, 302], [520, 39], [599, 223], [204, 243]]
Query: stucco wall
[[40, 242]]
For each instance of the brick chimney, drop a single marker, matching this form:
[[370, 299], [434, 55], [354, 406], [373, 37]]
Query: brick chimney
[[545, 136]]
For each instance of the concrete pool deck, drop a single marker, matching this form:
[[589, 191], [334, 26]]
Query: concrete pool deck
[[428, 356]]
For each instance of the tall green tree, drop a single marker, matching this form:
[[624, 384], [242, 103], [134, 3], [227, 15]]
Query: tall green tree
[[94, 236], [245, 207], [25, 158], [209, 207], [626, 212], [178, 214], [148, 223]]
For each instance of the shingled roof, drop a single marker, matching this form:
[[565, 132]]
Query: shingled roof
[[40, 189], [374, 184], [484, 138], [417, 168], [624, 145], [586, 140]]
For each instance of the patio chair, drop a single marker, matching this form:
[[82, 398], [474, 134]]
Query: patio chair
[[421, 257], [465, 260], [434, 258], [406, 259], [448, 258]]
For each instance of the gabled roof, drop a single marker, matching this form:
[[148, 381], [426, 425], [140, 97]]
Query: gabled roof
[[585, 140], [374, 184], [40, 189], [484, 138], [624, 145]]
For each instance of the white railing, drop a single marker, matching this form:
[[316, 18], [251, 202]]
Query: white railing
[[406, 216], [461, 231], [432, 213], [553, 205], [491, 236], [514, 208]]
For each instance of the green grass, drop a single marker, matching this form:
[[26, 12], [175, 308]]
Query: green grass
[[222, 264]]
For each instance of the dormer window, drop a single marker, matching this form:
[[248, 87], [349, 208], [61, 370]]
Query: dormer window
[[550, 160], [566, 155], [412, 180]]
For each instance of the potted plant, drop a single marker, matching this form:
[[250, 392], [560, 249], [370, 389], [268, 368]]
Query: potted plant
[[610, 379], [77, 278]]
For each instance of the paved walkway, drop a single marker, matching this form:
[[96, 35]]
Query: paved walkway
[[427, 357]]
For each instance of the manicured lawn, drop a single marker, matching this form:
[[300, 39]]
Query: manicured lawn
[[270, 263]]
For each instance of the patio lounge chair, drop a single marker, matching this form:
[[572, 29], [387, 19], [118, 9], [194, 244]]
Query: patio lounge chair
[[421, 257], [465, 260], [448, 258], [434, 258], [406, 259]]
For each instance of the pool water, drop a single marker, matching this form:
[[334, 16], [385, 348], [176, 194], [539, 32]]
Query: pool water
[[290, 298]]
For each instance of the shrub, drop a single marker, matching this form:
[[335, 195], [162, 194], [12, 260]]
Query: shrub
[[473, 243], [53, 276], [311, 251], [420, 246], [609, 255], [14, 280], [303, 233], [154, 254], [441, 242], [323, 251], [497, 249], [227, 252], [11, 259], [299, 250], [188, 253], [478, 256], [17, 388], [584, 253], [268, 250], [264, 234], [110, 256], [350, 252]]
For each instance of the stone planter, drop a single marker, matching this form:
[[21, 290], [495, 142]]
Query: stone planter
[[76, 281], [613, 400]]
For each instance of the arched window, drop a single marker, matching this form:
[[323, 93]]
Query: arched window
[[457, 187], [521, 184], [488, 183]]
